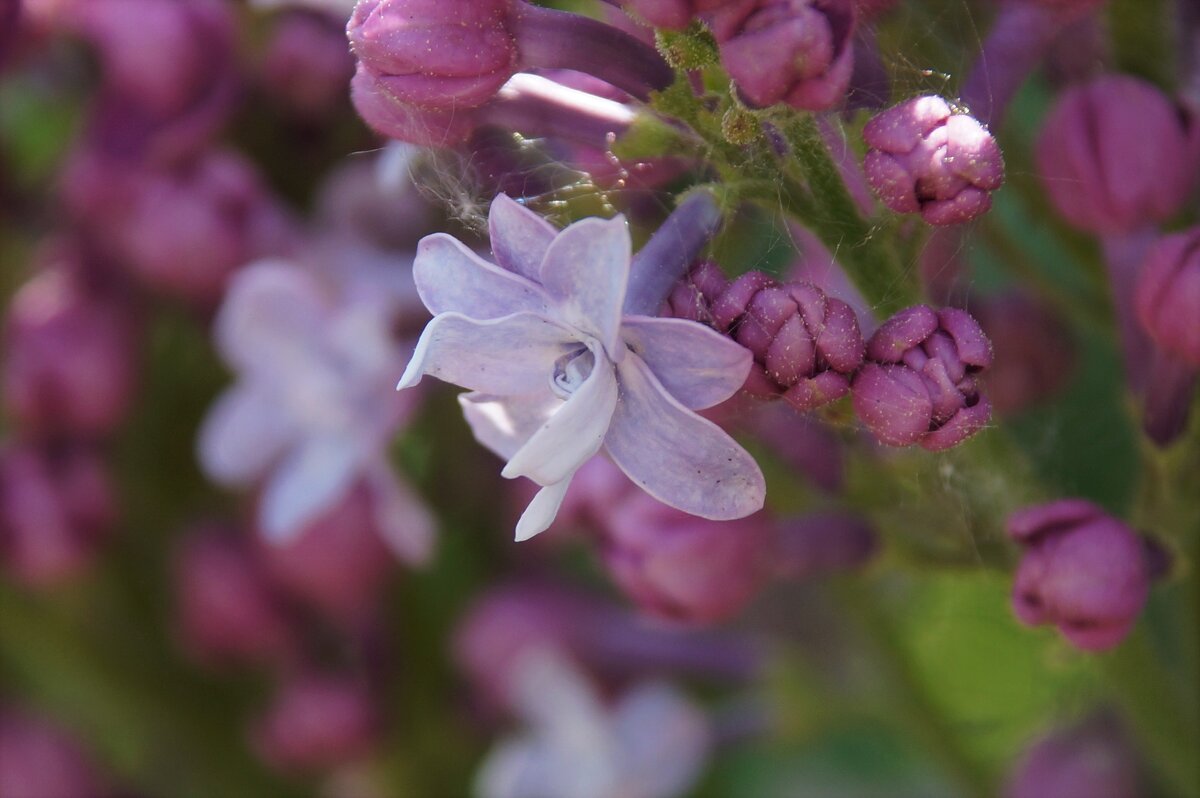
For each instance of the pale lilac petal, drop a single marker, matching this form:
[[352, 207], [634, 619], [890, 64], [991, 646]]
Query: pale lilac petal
[[696, 364], [675, 455], [271, 317], [511, 355], [664, 740], [452, 279], [308, 481], [519, 237], [404, 522], [573, 434], [505, 423], [243, 433], [540, 513], [586, 270]]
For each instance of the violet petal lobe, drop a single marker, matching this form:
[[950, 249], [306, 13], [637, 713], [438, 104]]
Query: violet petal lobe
[[1030, 522], [541, 511], [695, 364], [452, 279], [308, 481], [586, 269], [519, 237], [504, 423], [243, 433], [509, 355], [675, 455], [269, 318]]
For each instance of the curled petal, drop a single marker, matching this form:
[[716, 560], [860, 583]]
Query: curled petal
[[519, 237], [243, 434], [586, 269], [452, 279], [511, 355], [675, 455], [697, 365], [504, 423], [962, 425], [540, 513], [308, 481], [573, 434]]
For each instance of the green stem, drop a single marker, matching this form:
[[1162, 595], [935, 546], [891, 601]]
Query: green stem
[[914, 707]]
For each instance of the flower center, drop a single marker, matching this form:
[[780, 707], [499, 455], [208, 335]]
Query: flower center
[[570, 371]]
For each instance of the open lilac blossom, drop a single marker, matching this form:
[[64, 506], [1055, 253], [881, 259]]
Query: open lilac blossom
[[311, 414], [1083, 571], [926, 159], [650, 743], [557, 372]]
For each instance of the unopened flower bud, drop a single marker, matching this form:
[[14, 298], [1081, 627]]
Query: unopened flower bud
[[1168, 295], [1083, 571], [674, 14], [317, 721], [1092, 759], [798, 52], [681, 567], [1116, 154], [70, 357], [40, 760], [307, 65], [227, 609], [920, 384], [1034, 352], [926, 159], [56, 507]]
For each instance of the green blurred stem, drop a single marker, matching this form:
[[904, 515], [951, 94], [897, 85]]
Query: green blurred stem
[[913, 707]]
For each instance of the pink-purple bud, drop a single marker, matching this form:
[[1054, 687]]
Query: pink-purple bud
[[681, 567], [317, 721], [1034, 352], [1092, 759], [920, 384], [338, 563], [56, 506], [798, 52], [1116, 154], [227, 609], [806, 345], [924, 158], [1083, 571], [307, 66], [1168, 295], [40, 760], [674, 14], [70, 357]]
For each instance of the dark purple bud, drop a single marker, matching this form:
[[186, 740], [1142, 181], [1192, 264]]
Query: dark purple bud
[[40, 760], [921, 382], [1092, 759], [823, 543], [1034, 352], [56, 506], [674, 14], [317, 721], [226, 607], [798, 52], [684, 568], [307, 66], [924, 158], [1083, 571], [70, 357], [185, 230], [1168, 295], [338, 563], [1116, 154]]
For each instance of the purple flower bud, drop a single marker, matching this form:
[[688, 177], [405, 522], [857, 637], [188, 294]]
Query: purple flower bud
[[821, 543], [1116, 154], [56, 507], [798, 52], [1083, 571], [1034, 352], [40, 760], [227, 609], [1168, 295], [1092, 759], [806, 345], [681, 567], [339, 562], [184, 231], [675, 14], [70, 357], [316, 721], [307, 66], [926, 159], [920, 384]]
